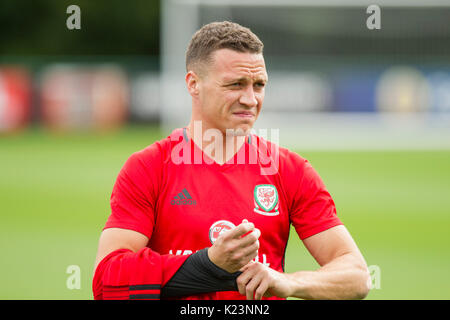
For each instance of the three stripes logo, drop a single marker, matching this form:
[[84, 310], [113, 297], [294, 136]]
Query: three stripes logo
[[183, 199]]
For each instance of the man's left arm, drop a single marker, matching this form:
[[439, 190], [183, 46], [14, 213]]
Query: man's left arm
[[343, 273]]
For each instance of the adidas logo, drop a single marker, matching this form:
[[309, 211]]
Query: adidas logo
[[183, 199]]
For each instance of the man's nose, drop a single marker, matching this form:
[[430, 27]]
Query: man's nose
[[248, 97]]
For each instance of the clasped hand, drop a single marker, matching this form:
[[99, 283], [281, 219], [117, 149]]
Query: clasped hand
[[235, 250]]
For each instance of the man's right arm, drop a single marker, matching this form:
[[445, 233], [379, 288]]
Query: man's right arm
[[126, 269], [123, 261], [125, 266], [113, 239]]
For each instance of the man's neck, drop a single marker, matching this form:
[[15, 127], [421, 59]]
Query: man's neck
[[217, 145]]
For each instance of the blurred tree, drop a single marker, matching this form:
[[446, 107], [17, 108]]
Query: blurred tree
[[108, 27]]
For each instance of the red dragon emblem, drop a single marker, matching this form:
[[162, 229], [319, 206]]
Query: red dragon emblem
[[266, 196], [266, 199]]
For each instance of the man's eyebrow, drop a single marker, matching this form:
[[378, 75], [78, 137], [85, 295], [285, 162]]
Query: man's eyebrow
[[243, 79], [231, 79]]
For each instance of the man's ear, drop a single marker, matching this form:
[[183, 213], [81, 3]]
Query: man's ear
[[192, 83]]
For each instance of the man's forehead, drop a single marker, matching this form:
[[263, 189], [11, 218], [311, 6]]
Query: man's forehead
[[232, 64]]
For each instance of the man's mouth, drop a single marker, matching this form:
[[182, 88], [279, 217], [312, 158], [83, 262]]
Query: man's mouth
[[244, 114]]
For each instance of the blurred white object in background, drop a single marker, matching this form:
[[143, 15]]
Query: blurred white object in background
[[145, 96], [440, 91], [297, 91]]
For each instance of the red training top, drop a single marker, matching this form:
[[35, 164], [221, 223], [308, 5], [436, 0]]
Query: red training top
[[182, 200]]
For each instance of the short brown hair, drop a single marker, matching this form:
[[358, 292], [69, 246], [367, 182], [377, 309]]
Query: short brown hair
[[220, 35]]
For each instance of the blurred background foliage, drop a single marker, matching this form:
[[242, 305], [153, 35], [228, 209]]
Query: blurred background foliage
[[110, 27]]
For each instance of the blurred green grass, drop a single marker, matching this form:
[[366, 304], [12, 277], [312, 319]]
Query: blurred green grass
[[54, 200]]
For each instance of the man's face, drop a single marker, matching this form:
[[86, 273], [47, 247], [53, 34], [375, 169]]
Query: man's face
[[231, 91]]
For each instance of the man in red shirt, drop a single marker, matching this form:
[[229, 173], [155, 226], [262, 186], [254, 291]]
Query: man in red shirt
[[206, 212]]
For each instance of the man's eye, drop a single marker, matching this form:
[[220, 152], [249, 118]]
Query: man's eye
[[260, 84]]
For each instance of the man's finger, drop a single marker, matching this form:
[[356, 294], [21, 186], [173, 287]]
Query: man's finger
[[261, 289], [252, 285], [250, 251], [242, 281], [245, 277], [244, 268], [250, 238], [240, 230]]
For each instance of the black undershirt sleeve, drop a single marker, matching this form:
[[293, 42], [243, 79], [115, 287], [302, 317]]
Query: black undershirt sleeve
[[199, 275]]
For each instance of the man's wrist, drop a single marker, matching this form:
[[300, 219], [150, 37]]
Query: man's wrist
[[215, 269], [296, 285], [198, 275], [210, 255], [291, 284]]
